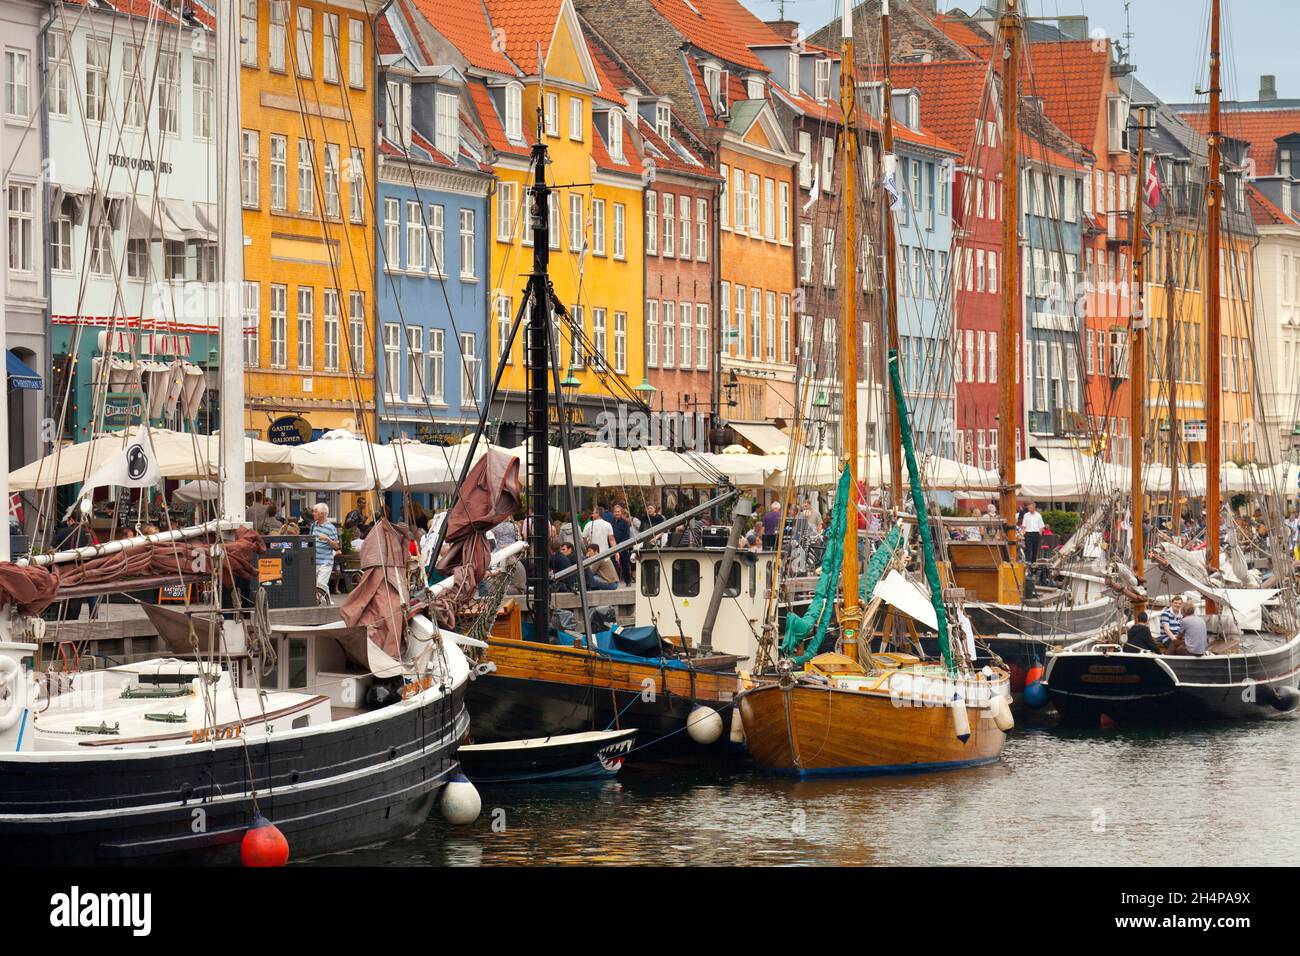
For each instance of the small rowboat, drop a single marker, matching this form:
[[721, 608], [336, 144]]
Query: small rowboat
[[594, 755]]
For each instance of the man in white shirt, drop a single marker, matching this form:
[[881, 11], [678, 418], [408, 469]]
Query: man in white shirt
[[598, 531], [1031, 528]]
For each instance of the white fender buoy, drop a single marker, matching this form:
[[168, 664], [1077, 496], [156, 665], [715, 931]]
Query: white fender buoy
[[960, 719], [704, 724], [460, 801], [1000, 711], [737, 727], [11, 703]]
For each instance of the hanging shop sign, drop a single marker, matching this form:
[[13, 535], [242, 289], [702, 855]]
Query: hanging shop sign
[[1194, 430], [124, 409], [289, 430]]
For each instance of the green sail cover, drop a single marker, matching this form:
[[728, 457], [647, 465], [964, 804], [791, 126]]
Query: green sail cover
[[922, 517], [879, 561], [798, 628]]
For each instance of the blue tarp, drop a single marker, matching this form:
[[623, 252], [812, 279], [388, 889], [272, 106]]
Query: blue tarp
[[605, 645], [20, 376]]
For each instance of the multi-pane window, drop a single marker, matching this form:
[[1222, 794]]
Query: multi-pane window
[[651, 223], [514, 111], [598, 226], [669, 342], [279, 326], [620, 342], [250, 308], [132, 87], [447, 131], [357, 330], [771, 326], [59, 70], [468, 369], [805, 252], [828, 256], [670, 221], [684, 215], [575, 221], [805, 160], [505, 211], [21, 226], [577, 326], [414, 363], [357, 186], [332, 180], [330, 61], [616, 135], [392, 234], [575, 118], [467, 243], [599, 342], [61, 244], [276, 35], [169, 92], [173, 259], [685, 315], [17, 83], [738, 333], [505, 317], [306, 178], [303, 48], [201, 99], [206, 261], [248, 32], [755, 201], [96, 79], [392, 358], [331, 315], [702, 230], [356, 53], [785, 329], [755, 323], [306, 323], [435, 374], [738, 199], [652, 332], [769, 209], [437, 238], [279, 173], [702, 336], [724, 199], [620, 230], [248, 167], [415, 241], [551, 114], [783, 216]]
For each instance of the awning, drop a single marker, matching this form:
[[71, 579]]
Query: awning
[[20, 376], [185, 216], [768, 439]]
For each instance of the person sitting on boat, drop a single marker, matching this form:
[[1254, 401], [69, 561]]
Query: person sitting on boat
[[562, 560], [972, 531], [327, 545], [601, 576], [1194, 640], [1139, 635], [1171, 621]]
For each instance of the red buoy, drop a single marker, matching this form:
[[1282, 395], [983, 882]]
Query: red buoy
[[264, 844], [1107, 723], [1033, 675]]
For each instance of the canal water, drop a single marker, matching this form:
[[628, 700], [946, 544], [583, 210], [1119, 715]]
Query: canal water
[[1214, 795]]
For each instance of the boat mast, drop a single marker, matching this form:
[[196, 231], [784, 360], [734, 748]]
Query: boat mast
[[232, 269], [1137, 367], [1171, 357], [889, 163], [1007, 450], [1213, 369], [539, 321], [850, 616]]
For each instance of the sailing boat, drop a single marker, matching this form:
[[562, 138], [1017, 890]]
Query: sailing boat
[[341, 736], [852, 711], [1251, 664]]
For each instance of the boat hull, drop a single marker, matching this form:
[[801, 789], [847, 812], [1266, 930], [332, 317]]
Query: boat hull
[[1087, 684], [820, 731], [361, 782], [570, 757]]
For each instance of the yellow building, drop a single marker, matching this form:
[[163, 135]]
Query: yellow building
[[307, 151], [597, 220]]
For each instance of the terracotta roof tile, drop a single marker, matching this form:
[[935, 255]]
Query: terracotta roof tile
[[465, 24], [959, 31], [491, 122], [723, 28], [665, 156], [435, 155], [1264, 211], [600, 156], [1258, 127], [386, 40], [1069, 76], [526, 23], [612, 77]]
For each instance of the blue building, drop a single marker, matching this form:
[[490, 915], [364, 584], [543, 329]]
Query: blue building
[[924, 175], [432, 221]]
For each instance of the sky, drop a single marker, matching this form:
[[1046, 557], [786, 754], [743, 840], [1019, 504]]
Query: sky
[[1169, 38]]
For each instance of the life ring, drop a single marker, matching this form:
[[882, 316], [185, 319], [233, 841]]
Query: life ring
[[11, 706]]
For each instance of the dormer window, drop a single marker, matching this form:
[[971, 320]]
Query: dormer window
[[398, 122], [1284, 162], [515, 111], [1117, 124], [754, 87], [616, 135], [447, 133], [552, 114], [664, 121], [792, 72], [822, 81]]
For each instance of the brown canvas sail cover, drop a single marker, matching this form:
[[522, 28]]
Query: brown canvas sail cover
[[379, 602], [489, 496]]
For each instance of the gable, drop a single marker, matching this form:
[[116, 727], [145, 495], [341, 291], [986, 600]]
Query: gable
[[568, 57]]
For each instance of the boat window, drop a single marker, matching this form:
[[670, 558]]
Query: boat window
[[753, 578], [686, 577], [297, 662], [650, 578], [733, 579], [271, 679]]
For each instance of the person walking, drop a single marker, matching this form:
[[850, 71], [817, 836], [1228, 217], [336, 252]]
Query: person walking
[[327, 546]]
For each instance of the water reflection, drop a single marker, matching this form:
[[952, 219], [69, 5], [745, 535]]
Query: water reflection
[[1212, 795]]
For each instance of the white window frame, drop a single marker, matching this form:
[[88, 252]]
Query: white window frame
[[279, 322], [468, 243]]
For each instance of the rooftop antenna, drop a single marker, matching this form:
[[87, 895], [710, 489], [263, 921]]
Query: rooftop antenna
[[1128, 32]]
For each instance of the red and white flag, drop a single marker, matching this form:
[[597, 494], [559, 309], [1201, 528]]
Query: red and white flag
[[1151, 185]]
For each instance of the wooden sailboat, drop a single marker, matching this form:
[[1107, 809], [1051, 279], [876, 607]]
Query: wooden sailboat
[[1251, 666], [885, 713]]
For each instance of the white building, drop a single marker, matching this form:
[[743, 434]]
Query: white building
[[24, 303], [131, 123], [1272, 201]]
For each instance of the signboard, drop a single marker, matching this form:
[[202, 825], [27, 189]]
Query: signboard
[[178, 593], [1194, 431], [269, 569], [289, 430], [124, 409]]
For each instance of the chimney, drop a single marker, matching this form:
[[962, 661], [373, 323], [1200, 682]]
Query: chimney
[[1267, 87], [786, 29]]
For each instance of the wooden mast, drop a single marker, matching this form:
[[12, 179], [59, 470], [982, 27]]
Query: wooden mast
[[1171, 358], [1213, 366], [889, 163], [1010, 330], [850, 617], [1137, 372]]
